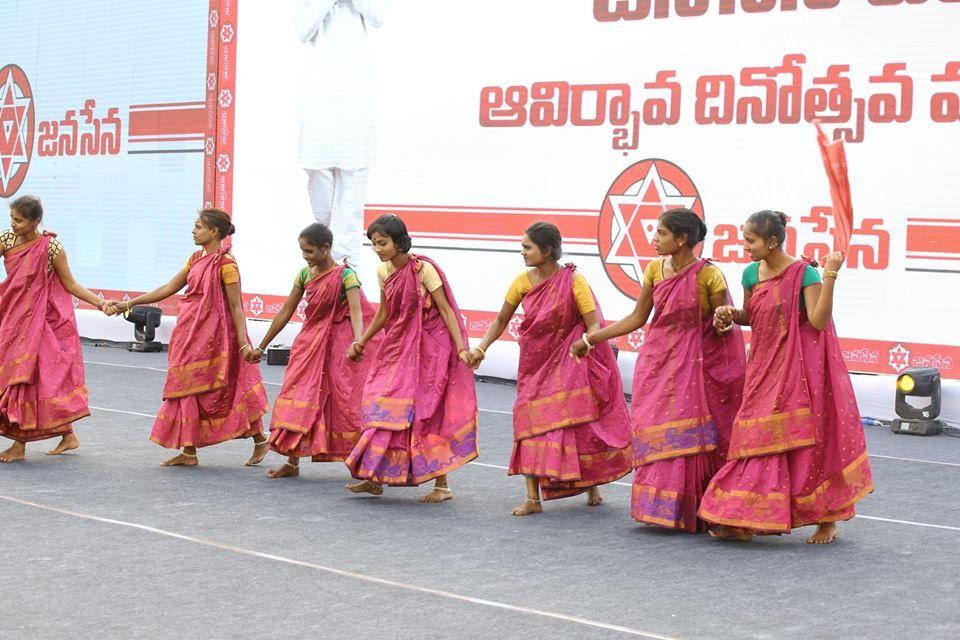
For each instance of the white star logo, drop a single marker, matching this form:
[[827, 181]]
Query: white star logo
[[14, 130], [256, 305], [513, 328], [635, 338], [899, 358], [635, 216]]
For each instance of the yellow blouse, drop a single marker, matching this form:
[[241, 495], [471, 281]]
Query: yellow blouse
[[228, 268], [8, 241], [710, 281], [521, 286], [429, 278]]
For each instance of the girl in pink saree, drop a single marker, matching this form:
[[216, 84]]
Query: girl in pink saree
[[688, 379], [797, 453], [317, 413], [570, 422], [419, 403], [42, 390], [212, 394]]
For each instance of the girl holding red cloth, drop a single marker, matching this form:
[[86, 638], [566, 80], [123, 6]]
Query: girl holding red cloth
[[42, 389], [212, 394], [797, 454], [570, 421]]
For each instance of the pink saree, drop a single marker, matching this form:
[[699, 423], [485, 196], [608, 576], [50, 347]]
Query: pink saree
[[42, 391], [687, 387], [570, 421], [797, 452], [211, 393], [317, 413], [419, 402]]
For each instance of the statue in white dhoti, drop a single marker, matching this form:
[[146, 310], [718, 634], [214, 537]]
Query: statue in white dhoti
[[337, 129]]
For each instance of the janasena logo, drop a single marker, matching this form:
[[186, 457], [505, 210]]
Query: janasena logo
[[628, 218], [16, 128]]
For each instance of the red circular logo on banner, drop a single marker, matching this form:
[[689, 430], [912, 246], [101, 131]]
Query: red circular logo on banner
[[16, 128], [628, 218]]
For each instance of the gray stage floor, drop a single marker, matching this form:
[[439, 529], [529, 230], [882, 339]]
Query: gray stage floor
[[103, 543]]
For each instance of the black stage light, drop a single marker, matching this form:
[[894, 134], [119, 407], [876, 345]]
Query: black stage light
[[145, 321], [918, 382]]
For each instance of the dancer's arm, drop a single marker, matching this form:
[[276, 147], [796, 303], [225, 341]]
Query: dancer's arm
[[236, 313], [726, 315], [820, 297], [163, 292], [494, 331], [62, 267], [355, 352], [279, 321], [449, 319], [718, 300], [356, 312], [636, 319]]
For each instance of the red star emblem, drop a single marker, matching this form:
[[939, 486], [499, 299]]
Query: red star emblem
[[628, 218], [16, 128]]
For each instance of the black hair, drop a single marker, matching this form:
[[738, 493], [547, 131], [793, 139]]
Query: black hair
[[28, 206], [685, 222], [219, 220], [546, 236], [770, 224], [392, 226], [317, 234]]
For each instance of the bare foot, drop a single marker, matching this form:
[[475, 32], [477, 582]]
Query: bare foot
[[439, 494], [527, 507], [260, 451], [68, 442], [288, 470], [825, 533], [593, 497], [181, 460], [14, 453], [366, 486], [730, 533]]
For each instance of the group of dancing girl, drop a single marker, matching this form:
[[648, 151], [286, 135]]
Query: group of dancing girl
[[716, 442]]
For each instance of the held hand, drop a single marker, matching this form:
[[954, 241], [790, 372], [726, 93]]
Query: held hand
[[724, 314], [720, 326], [355, 352], [110, 307], [834, 261], [476, 357], [578, 350], [253, 356], [464, 357]]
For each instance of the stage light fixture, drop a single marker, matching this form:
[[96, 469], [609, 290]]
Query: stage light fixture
[[918, 382], [145, 321]]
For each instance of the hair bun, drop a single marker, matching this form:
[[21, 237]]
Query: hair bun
[[232, 231], [781, 216]]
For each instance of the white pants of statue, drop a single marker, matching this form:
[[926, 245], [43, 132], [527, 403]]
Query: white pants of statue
[[337, 199]]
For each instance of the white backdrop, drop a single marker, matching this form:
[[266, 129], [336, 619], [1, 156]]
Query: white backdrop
[[468, 190]]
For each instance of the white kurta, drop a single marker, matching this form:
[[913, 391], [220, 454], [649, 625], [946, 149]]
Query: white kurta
[[337, 126]]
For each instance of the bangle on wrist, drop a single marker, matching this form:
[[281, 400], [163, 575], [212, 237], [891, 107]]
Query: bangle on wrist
[[586, 340], [482, 351], [830, 274], [246, 346]]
